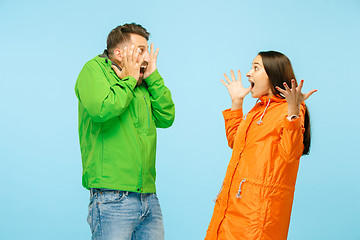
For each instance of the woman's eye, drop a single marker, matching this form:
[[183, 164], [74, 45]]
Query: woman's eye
[[256, 68]]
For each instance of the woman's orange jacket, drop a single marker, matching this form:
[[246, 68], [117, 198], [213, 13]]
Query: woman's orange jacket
[[257, 194]]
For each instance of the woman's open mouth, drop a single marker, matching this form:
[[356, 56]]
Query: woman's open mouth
[[252, 84]]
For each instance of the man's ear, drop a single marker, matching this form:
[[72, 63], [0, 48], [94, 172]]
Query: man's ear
[[118, 54]]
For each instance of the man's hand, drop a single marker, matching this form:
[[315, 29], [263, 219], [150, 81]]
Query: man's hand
[[151, 67], [130, 63]]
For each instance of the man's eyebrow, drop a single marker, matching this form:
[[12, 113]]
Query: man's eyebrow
[[145, 46], [256, 63]]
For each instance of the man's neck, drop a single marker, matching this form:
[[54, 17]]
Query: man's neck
[[105, 54]]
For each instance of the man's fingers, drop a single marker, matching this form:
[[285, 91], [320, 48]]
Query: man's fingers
[[125, 53], [156, 53], [307, 95], [116, 70], [151, 48], [131, 52], [141, 60]]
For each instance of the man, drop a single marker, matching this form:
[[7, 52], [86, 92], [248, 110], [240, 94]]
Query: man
[[122, 99]]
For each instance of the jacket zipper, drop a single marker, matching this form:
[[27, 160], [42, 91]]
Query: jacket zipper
[[147, 109], [144, 148]]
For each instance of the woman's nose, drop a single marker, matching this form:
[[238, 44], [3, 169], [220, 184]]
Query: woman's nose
[[248, 74]]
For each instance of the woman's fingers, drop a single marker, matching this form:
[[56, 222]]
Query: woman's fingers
[[232, 76], [280, 90], [307, 95], [293, 85], [227, 79], [301, 84], [223, 82], [286, 86]]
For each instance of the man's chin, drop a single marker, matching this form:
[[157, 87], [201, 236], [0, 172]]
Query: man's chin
[[140, 80]]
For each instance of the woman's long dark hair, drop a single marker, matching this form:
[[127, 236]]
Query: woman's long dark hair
[[279, 70]]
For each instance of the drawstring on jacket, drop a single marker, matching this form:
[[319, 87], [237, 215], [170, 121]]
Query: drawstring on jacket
[[239, 192], [217, 195], [267, 105]]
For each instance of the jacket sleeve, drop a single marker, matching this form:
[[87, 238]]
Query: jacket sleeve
[[103, 99], [291, 138], [162, 106], [232, 122]]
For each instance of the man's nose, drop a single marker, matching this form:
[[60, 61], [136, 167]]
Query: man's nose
[[146, 56]]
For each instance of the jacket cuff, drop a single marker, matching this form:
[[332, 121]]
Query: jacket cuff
[[230, 114], [153, 77], [130, 81], [294, 124]]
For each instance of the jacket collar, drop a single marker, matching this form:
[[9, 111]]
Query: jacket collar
[[105, 55], [265, 99]]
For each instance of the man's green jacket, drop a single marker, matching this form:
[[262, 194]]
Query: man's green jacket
[[117, 127]]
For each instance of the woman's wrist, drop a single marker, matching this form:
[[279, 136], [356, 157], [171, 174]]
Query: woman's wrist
[[293, 110], [236, 104]]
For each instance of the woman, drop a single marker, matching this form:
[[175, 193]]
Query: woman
[[257, 193]]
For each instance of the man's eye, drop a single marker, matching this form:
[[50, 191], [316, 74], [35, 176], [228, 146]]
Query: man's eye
[[256, 68]]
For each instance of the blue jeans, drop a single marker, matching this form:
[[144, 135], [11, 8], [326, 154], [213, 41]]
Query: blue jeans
[[124, 215]]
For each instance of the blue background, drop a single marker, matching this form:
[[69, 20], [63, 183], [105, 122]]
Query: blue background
[[44, 45]]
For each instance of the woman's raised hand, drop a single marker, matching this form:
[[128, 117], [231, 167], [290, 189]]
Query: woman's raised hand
[[236, 90], [294, 96]]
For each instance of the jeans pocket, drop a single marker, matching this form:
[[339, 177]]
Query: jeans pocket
[[111, 196]]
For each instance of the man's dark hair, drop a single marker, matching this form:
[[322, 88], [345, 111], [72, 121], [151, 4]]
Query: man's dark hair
[[121, 34]]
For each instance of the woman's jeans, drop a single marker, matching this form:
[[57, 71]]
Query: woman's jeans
[[124, 215]]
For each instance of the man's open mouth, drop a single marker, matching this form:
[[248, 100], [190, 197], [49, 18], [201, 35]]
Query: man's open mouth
[[143, 68]]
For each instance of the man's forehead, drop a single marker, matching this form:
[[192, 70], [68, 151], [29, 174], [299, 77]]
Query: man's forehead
[[138, 40]]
